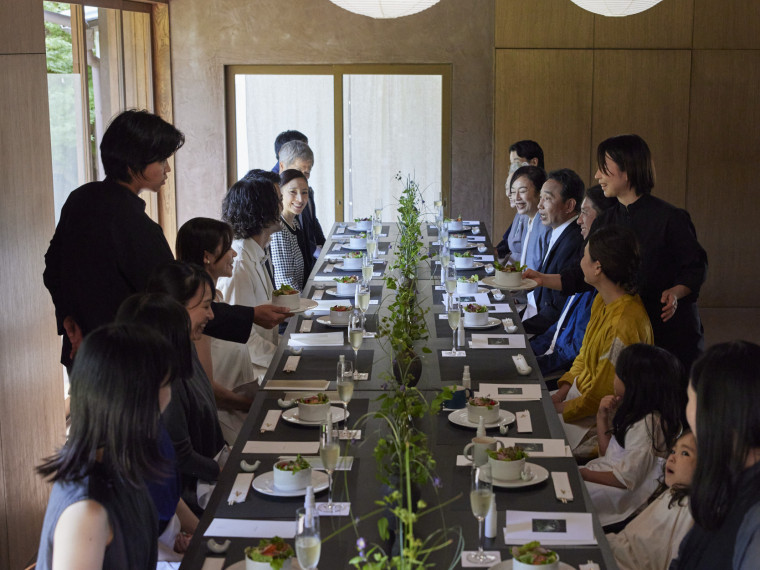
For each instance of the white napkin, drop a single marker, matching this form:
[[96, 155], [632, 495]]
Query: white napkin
[[562, 486], [240, 488], [316, 339], [241, 528], [278, 447], [213, 563], [524, 425]]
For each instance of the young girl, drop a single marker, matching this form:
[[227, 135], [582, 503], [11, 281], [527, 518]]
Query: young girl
[[651, 539], [100, 514], [725, 500], [636, 427]]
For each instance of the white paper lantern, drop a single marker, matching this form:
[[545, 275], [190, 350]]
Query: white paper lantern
[[384, 8], [615, 8]]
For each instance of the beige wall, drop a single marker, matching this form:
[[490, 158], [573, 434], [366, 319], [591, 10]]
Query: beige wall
[[31, 390], [684, 75], [206, 36]]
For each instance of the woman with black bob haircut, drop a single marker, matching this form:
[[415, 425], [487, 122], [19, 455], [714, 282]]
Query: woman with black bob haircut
[[724, 415], [100, 513], [191, 419], [291, 256]]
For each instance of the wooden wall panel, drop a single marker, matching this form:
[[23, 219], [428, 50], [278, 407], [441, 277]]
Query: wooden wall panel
[[544, 95], [728, 24], [31, 384], [724, 139], [668, 25], [542, 24], [16, 35], [646, 92]]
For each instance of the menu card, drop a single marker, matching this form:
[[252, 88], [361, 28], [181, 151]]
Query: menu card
[[550, 529], [497, 341]]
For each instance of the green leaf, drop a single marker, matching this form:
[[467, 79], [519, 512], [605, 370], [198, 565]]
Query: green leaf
[[382, 528]]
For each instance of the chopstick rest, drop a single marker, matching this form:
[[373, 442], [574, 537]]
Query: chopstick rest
[[270, 421], [306, 325], [523, 422], [562, 486], [240, 487], [291, 364]]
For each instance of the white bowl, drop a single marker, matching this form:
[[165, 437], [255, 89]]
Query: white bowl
[[458, 243], [455, 225], [463, 262], [467, 288], [357, 243], [508, 278], [506, 470], [313, 412], [490, 416], [517, 565], [475, 319], [290, 481], [363, 225], [345, 289], [339, 317], [290, 301], [352, 262]]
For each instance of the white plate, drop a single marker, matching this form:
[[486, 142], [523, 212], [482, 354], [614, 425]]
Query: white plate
[[306, 305], [459, 417], [334, 292], [264, 483], [492, 322], [291, 415], [326, 322], [347, 246], [352, 228], [507, 565], [340, 267], [540, 474], [475, 265], [526, 285], [469, 246]]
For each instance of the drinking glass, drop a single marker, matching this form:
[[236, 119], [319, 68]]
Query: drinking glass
[[345, 393], [443, 238], [308, 543], [371, 245], [450, 277], [367, 268], [454, 313], [356, 335], [329, 453], [362, 296], [377, 226], [378, 209], [481, 495]]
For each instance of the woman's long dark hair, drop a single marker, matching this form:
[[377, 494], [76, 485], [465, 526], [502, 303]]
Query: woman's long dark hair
[[115, 381], [726, 380], [200, 235], [180, 281], [167, 317], [652, 378]]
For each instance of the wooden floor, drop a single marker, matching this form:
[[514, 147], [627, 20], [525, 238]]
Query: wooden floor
[[722, 325]]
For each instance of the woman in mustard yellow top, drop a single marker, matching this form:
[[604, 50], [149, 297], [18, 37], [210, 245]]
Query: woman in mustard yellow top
[[618, 318]]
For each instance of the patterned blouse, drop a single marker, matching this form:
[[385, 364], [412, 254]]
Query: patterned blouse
[[287, 258]]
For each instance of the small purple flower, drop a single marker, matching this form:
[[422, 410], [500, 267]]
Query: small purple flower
[[437, 482], [361, 545], [402, 387]]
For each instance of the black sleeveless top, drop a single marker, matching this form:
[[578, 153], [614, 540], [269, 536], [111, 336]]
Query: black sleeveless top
[[130, 512]]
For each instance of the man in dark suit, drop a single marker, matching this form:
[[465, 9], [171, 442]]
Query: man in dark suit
[[558, 207]]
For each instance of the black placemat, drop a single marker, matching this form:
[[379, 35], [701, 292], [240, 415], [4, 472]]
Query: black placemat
[[375, 292], [488, 365], [379, 266], [319, 363], [442, 329], [347, 232]]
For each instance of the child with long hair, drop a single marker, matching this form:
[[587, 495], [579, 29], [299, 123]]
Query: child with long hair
[[636, 427], [651, 539], [723, 411], [100, 514]]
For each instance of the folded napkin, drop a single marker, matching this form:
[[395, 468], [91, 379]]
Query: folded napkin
[[316, 339], [241, 528], [562, 486]]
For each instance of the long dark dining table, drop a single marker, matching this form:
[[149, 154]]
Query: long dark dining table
[[359, 485]]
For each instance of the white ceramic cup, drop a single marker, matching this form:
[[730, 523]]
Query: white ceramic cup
[[475, 451]]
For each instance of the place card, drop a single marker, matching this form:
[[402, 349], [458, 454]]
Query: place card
[[562, 487], [310, 385], [471, 222], [360, 376], [213, 563], [524, 425], [240, 488], [291, 364], [550, 529], [278, 447], [479, 298], [377, 274], [306, 325], [467, 564], [270, 421], [341, 510], [497, 341], [484, 257], [511, 392], [241, 528], [537, 447], [476, 238]]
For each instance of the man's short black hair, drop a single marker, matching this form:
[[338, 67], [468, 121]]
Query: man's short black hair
[[287, 136], [572, 186], [529, 150]]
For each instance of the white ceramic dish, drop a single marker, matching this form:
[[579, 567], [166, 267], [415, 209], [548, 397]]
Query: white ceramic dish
[[339, 318], [507, 565], [313, 413], [507, 278], [292, 416], [540, 474], [467, 288], [326, 321], [474, 412], [459, 418], [289, 481], [350, 264], [361, 226], [357, 243], [463, 262], [305, 305], [334, 292], [492, 322], [264, 484], [458, 243], [525, 284], [475, 319], [346, 289], [288, 301]]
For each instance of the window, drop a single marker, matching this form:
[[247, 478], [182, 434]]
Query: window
[[365, 124]]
